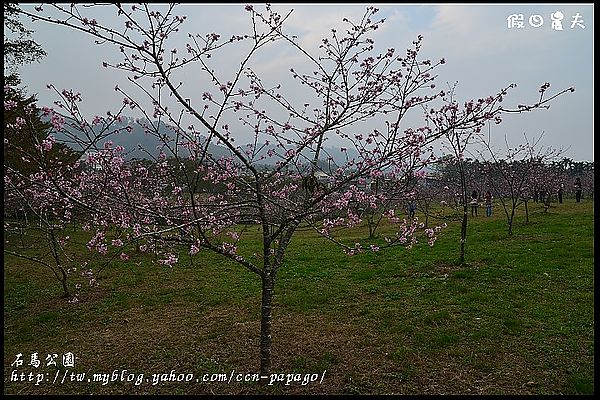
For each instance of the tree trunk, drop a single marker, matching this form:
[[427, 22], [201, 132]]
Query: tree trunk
[[526, 213], [463, 235], [270, 267], [463, 227], [268, 283], [63, 279]]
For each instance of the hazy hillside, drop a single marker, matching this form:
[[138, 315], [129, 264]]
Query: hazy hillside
[[135, 138]]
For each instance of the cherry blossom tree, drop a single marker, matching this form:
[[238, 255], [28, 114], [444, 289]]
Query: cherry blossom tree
[[587, 179], [550, 175], [451, 184], [352, 93], [432, 197], [463, 125], [390, 192], [31, 208], [582, 169], [511, 174], [458, 139]]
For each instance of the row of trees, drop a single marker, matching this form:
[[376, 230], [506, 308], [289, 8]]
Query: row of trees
[[513, 181], [75, 175]]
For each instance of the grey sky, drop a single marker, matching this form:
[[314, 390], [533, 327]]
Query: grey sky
[[482, 53]]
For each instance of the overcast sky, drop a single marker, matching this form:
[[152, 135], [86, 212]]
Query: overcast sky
[[482, 53]]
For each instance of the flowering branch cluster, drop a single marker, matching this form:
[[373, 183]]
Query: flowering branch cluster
[[187, 196]]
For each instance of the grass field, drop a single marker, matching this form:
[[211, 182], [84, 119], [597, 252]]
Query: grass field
[[518, 318]]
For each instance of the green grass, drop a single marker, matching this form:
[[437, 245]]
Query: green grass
[[516, 318]]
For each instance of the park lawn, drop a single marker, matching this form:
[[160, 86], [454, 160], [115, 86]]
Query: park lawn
[[517, 318]]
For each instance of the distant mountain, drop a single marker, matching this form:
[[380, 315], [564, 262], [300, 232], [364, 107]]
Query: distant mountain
[[131, 134]]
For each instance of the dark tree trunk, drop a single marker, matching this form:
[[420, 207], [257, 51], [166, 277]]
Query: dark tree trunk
[[463, 227], [463, 234], [270, 267], [63, 277], [268, 283]]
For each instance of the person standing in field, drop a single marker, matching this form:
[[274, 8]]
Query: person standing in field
[[474, 203], [488, 203], [412, 207], [542, 195], [577, 186], [560, 193]]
